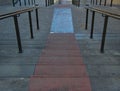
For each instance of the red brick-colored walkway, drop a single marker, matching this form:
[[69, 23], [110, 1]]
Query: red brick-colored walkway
[[60, 67]]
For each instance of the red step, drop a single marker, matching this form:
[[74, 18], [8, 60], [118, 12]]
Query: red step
[[60, 53], [60, 61], [38, 83], [61, 70]]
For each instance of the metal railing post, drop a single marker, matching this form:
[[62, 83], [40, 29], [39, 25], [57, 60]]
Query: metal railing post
[[25, 2], [17, 33], [37, 19], [20, 2], [111, 3], [92, 24], [30, 22], [29, 2], [105, 2], [86, 23], [100, 2], [46, 3], [104, 34]]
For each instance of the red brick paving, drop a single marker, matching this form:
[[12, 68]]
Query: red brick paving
[[60, 67]]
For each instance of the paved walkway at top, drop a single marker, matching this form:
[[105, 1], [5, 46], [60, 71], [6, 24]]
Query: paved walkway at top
[[62, 21]]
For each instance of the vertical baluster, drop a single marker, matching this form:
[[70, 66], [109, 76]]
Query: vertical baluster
[[91, 2], [92, 24], [96, 2], [46, 3], [30, 23], [20, 2], [105, 2], [25, 2], [104, 34], [29, 2], [17, 33], [111, 3], [100, 2]]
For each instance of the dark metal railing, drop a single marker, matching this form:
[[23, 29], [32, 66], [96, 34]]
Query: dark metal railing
[[101, 2], [107, 12], [14, 14]]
